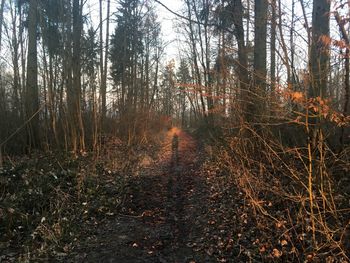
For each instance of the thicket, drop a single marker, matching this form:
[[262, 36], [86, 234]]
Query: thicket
[[296, 183]]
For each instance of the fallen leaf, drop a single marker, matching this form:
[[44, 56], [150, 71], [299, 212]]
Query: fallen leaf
[[276, 253], [284, 242], [262, 249]]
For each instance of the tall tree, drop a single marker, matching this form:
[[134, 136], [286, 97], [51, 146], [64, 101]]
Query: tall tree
[[52, 42], [258, 89], [14, 10], [32, 91], [77, 34], [346, 107], [1, 19], [318, 64], [243, 75], [90, 51], [231, 20], [319, 56], [1, 89], [103, 61], [260, 25], [126, 47], [191, 7], [273, 45], [184, 77], [72, 74]]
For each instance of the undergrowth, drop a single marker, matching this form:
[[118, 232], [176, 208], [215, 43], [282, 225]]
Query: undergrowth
[[47, 199], [274, 180]]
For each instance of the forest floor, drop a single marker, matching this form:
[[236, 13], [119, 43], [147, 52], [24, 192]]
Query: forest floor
[[168, 210], [162, 219]]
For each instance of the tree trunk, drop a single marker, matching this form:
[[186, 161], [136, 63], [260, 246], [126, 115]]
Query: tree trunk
[[102, 89], [15, 60], [32, 93], [67, 70], [1, 20], [273, 47], [319, 56], [258, 91], [76, 66], [346, 107], [243, 75], [292, 50], [195, 57], [104, 61], [260, 24]]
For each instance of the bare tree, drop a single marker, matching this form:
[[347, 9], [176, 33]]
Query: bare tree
[[319, 56], [76, 66], [103, 61], [32, 92], [1, 19], [346, 107], [260, 51]]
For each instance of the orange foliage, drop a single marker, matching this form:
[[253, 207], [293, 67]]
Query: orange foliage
[[297, 96], [326, 40]]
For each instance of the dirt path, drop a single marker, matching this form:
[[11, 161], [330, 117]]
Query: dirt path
[[162, 217]]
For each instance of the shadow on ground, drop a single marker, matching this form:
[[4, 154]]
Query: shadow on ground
[[162, 216]]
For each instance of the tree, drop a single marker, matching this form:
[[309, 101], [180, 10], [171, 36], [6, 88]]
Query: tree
[[191, 8], [32, 91], [231, 19], [346, 106], [16, 91], [260, 50], [273, 45], [168, 86], [126, 46], [243, 73], [51, 19], [134, 55], [1, 19], [319, 56], [76, 66], [90, 49], [103, 61], [72, 74], [150, 62], [183, 77]]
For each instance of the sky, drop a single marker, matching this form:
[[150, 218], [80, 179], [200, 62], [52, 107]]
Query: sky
[[165, 17], [169, 21], [168, 25]]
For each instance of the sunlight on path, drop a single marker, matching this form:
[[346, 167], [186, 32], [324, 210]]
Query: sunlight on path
[[187, 146]]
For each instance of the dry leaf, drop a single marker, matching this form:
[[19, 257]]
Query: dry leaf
[[279, 224], [297, 96], [284, 242], [276, 253]]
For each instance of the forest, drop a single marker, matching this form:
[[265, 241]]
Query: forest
[[174, 131]]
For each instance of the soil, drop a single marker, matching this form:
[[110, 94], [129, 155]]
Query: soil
[[163, 216]]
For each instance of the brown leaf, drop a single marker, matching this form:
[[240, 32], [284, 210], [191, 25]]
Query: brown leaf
[[276, 253], [284, 242], [297, 96]]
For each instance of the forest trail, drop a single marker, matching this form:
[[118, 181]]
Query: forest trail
[[163, 215]]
